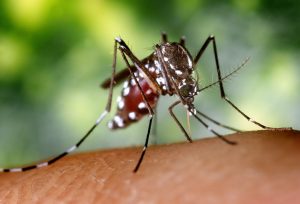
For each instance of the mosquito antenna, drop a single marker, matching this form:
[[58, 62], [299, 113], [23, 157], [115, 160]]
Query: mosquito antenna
[[227, 76]]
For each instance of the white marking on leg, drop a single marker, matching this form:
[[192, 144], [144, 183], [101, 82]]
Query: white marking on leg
[[142, 105], [118, 39], [132, 115], [195, 111], [192, 111], [135, 64], [166, 59], [122, 46], [209, 128], [16, 170], [101, 117], [71, 149], [251, 120], [42, 164]]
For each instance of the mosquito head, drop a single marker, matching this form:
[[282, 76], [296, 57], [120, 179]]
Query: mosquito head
[[188, 89]]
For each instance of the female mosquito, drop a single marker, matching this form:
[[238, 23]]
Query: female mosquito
[[169, 70]]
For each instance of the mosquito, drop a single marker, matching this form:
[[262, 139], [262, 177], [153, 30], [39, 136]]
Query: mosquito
[[169, 70]]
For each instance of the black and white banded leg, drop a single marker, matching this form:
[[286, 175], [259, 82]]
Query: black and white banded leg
[[72, 148], [177, 121], [126, 52], [193, 112], [222, 91], [218, 123], [145, 146]]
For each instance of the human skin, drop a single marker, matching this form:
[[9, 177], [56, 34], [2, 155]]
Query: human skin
[[263, 168]]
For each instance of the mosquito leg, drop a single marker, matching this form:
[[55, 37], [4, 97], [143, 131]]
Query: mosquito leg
[[213, 131], [151, 112], [177, 121], [125, 51], [72, 148], [182, 41], [145, 147], [222, 91], [218, 123], [164, 37]]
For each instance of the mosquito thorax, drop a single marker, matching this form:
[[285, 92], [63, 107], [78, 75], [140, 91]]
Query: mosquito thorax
[[178, 61]]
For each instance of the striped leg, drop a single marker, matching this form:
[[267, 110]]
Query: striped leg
[[126, 52], [145, 147], [72, 148], [211, 130], [200, 120], [69, 150], [222, 91], [217, 123], [177, 121]]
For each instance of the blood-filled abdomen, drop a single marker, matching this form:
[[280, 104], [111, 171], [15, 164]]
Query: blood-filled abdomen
[[131, 106]]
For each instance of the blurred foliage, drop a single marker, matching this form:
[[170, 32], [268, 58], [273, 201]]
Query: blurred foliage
[[54, 54]]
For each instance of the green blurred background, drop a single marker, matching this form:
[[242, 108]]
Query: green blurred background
[[54, 54]]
